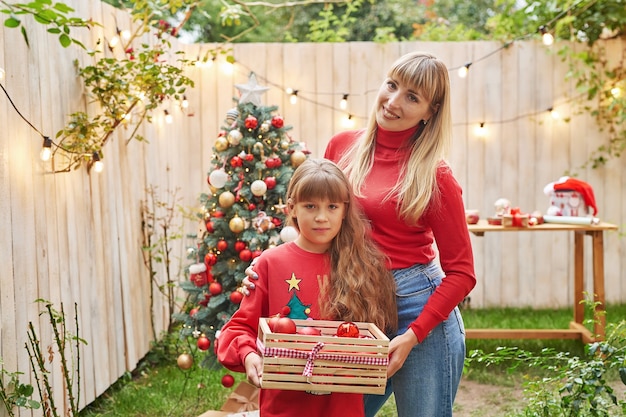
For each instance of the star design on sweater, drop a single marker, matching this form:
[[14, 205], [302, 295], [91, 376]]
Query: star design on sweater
[[251, 92], [293, 282]]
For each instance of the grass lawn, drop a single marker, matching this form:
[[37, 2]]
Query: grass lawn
[[159, 388]]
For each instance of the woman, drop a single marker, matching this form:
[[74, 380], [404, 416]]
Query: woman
[[410, 196]]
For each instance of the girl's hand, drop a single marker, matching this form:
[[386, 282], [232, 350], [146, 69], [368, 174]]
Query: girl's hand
[[250, 275], [254, 369]]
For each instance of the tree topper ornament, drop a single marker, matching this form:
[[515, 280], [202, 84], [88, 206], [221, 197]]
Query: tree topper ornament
[[251, 92]]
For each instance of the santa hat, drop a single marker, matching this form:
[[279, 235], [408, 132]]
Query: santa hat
[[573, 184]]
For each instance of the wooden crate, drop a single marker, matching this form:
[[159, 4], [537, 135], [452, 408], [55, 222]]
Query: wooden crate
[[341, 364]]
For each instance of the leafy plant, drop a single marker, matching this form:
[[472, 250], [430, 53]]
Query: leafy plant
[[14, 394], [570, 386], [47, 13]]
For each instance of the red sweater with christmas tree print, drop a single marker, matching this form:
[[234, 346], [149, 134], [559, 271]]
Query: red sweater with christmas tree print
[[289, 283], [406, 245]]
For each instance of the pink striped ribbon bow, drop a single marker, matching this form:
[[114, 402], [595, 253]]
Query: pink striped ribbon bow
[[314, 354]]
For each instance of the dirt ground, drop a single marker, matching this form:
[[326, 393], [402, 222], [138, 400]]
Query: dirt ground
[[480, 400]]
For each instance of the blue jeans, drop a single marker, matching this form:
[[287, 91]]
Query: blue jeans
[[426, 384]]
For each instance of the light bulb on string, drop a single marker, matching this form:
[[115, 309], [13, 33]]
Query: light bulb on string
[[185, 103], [293, 98], [555, 114], [546, 36], [343, 104], [480, 130], [97, 164], [125, 34], [348, 122], [228, 68], [616, 92], [46, 149], [464, 70], [168, 117]]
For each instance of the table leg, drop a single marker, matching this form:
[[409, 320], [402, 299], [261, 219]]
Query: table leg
[[599, 315], [579, 271]]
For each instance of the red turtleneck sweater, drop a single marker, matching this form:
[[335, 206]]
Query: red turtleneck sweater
[[406, 245]]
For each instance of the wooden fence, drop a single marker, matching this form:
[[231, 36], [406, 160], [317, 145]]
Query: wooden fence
[[77, 237]]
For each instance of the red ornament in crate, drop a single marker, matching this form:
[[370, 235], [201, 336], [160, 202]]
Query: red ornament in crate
[[348, 329]]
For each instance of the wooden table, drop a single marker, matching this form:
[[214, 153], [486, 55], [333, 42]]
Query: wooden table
[[576, 330]]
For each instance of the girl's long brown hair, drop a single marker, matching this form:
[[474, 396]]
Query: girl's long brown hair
[[360, 286]]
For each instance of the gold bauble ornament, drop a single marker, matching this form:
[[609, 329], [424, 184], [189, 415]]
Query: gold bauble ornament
[[284, 144], [226, 199], [184, 361], [236, 225], [221, 144], [297, 158]]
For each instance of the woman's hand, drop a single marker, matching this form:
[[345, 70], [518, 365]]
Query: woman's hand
[[399, 349], [250, 275]]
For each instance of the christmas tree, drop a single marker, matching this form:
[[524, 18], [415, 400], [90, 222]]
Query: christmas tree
[[244, 213]]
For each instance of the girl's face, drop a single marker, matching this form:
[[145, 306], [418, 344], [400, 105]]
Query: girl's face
[[319, 221], [399, 107]]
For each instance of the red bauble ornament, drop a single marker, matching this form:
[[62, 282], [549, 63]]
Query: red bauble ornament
[[210, 259], [203, 343], [193, 312], [239, 245], [228, 381], [215, 288], [218, 214], [199, 279], [251, 122], [236, 297], [251, 206], [285, 310], [285, 325], [272, 321], [222, 245], [245, 255], [270, 182], [236, 162], [249, 157], [210, 227], [309, 331], [348, 329], [278, 122]]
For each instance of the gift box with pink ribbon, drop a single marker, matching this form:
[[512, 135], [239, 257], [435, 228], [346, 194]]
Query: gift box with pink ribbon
[[326, 362]]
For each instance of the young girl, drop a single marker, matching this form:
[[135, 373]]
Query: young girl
[[332, 271]]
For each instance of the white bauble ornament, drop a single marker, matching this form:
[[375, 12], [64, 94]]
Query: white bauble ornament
[[288, 234], [218, 178], [234, 137], [232, 115], [258, 188]]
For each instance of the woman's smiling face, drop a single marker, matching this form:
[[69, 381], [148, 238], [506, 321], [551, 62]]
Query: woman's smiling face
[[399, 107]]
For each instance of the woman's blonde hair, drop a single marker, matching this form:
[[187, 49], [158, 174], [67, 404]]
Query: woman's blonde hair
[[360, 286], [417, 182]]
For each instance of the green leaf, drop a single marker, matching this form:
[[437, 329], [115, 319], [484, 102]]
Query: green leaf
[[63, 8], [25, 36], [65, 40], [11, 22]]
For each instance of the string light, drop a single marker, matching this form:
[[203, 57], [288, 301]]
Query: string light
[[343, 104], [96, 162], [46, 149], [464, 70], [168, 117], [185, 103], [546, 36], [293, 97], [348, 122], [555, 114], [480, 130]]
